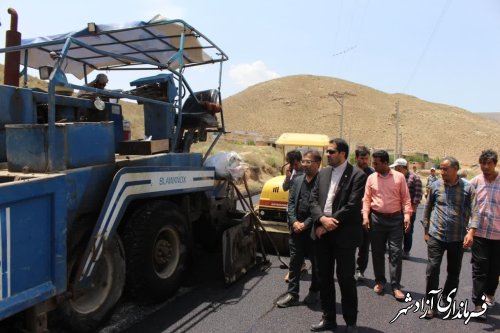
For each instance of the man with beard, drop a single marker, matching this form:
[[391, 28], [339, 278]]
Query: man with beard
[[335, 207]]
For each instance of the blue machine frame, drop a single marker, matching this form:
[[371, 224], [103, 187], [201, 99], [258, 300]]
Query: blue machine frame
[[36, 208]]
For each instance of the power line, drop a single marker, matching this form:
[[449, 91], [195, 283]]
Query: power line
[[344, 51], [424, 51], [339, 98]]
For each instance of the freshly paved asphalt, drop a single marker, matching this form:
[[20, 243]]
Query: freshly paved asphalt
[[205, 304]]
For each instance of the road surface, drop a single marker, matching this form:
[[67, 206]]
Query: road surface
[[205, 304]]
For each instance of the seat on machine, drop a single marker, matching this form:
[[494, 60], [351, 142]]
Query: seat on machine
[[199, 110]]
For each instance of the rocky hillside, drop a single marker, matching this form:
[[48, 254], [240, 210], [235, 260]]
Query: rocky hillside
[[304, 104]]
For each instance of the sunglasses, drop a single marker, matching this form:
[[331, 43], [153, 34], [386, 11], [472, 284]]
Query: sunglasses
[[308, 162], [331, 151]]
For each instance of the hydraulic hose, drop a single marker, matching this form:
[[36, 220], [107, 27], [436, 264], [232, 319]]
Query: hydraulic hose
[[248, 204]]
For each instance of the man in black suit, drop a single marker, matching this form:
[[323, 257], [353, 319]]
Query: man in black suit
[[335, 210], [299, 224]]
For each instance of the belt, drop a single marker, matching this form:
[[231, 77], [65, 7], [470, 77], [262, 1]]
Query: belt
[[386, 214]]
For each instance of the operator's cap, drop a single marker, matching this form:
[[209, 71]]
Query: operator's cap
[[400, 162], [433, 168]]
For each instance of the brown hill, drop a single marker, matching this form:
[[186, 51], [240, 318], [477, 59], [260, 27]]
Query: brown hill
[[490, 115], [303, 104]]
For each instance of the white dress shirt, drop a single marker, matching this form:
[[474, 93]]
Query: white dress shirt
[[334, 182]]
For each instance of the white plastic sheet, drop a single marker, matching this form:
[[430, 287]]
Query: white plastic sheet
[[228, 165]]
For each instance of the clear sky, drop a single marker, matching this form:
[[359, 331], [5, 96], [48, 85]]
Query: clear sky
[[444, 51]]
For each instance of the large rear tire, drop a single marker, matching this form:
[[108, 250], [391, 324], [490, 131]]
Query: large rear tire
[[88, 308], [156, 242]]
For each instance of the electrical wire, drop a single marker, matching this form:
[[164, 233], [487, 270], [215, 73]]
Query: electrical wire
[[424, 51]]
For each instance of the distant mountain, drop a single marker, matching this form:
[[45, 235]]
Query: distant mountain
[[490, 115], [303, 104]]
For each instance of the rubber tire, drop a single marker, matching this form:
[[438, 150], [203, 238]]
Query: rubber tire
[[112, 264], [153, 226]]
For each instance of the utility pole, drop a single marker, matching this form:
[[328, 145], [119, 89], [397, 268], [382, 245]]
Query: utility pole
[[400, 144], [396, 147], [339, 98]]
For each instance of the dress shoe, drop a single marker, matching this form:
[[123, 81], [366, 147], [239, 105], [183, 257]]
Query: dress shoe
[[430, 314], [379, 288], [359, 276], [489, 300], [406, 255], [351, 329], [398, 295], [311, 298], [287, 300], [324, 325]]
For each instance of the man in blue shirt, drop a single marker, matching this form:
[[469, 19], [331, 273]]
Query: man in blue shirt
[[446, 216]]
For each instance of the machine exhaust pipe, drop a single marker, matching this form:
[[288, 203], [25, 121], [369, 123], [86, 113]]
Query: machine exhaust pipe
[[12, 59]]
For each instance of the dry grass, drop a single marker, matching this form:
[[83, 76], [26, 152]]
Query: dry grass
[[263, 162]]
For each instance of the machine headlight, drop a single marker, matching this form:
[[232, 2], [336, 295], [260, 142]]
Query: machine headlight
[[44, 72]]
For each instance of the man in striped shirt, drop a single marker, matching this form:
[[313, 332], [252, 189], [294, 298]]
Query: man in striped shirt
[[446, 215], [486, 228], [415, 188]]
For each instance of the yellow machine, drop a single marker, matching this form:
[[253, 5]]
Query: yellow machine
[[273, 201]]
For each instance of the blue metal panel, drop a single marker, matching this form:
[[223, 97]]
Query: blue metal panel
[[32, 242], [89, 144], [76, 145], [86, 188], [170, 159], [32, 155], [31, 226], [16, 107], [159, 121], [117, 118], [140, 182]]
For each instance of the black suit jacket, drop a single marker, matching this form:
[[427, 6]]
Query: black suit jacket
[[346, 205], [293, 200]]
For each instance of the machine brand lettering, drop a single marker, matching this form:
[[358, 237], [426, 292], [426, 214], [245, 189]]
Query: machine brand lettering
[[172, 180]]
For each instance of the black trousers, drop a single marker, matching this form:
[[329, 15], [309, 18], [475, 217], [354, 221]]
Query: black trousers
[[328, 255], [387, 231], [301, 245], [408, 236], [363, 252], [485, 268], [454, 255]]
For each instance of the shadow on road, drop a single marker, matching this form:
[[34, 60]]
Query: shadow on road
[[207, 297]]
